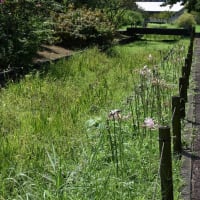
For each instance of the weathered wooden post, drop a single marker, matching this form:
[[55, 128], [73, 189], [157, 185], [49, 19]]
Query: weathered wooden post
[[189, 56], [183, 96], [185, 73], [166, 163], [186, 61], [188, 66], [176, 125], [190, 50], [183, 88], [192, 37], [183, 70]]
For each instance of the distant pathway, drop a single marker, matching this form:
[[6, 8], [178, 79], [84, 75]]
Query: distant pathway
[[195, 162], [51, 53]]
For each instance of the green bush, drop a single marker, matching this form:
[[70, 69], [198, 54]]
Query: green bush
[[196, 16], [162, 15], [130, 18], [186, 21], [23, 28], [83, 26]]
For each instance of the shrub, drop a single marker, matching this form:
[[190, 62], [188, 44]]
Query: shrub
[[130, 18], [83, 26], [196, 16], [23, 28], [186, 21]]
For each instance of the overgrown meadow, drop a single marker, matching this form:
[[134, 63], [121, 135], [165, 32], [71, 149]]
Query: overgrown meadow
[[88, 128]]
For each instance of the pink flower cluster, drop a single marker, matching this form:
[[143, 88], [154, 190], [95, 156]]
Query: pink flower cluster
[[2, 1], [145, 71], [149, 123], [116, 115]]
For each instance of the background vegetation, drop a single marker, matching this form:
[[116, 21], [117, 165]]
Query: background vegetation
[[27, 24], [186, 21], [82, 27]]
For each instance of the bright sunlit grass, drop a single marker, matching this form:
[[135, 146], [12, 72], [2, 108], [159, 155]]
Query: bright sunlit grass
[[82, 130], [197, 28], [164, 25]]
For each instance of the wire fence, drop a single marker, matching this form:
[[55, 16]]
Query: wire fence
[[165, 138], [178, 113]]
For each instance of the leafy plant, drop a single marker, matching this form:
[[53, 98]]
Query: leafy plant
[[196, 16], [23, 27], [81, 26], [162, 15], [186, 21], [130, 17]]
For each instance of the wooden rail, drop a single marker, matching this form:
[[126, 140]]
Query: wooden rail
[[160, 31]]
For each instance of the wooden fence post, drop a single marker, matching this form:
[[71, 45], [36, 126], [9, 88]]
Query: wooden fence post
[[183, 88], [192, 36], [188, 66], [176, 125], [166, 163], [186, 61], [183, 96], [185, 73], [189, 56]]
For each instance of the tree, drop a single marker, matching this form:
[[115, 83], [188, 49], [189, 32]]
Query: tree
[[186, 20], [191, 5], [116, 8], [24, 25], [112, 8], [116, 4]]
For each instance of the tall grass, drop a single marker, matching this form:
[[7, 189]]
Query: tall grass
[[79, 132]]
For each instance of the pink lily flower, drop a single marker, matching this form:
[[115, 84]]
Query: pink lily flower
[[149, 123]]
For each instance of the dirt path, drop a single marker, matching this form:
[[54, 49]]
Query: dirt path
[[191, 155], [51, 53]]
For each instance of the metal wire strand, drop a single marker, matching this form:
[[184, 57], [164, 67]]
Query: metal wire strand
[[180, 89], [173, 113], [158, 174]]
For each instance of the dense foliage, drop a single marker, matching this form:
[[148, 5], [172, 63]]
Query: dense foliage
[[186, 21], [164, 16], [24, 25], [111, 4], [192, 5], [196, 16], [83, 26], [129, 17]]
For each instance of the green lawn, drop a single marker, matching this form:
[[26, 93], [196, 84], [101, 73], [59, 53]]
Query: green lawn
[[154, 25], [197, 28]]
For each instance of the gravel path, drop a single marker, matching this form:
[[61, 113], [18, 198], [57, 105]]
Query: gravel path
[[191, 155], [195, 162], [51, 53]]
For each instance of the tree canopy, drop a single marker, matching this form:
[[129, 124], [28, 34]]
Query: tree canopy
[[100, 3], [191, 5]]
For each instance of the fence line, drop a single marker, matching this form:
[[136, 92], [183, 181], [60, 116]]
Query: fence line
[[161, 31], [178, 113], [166, 163]]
